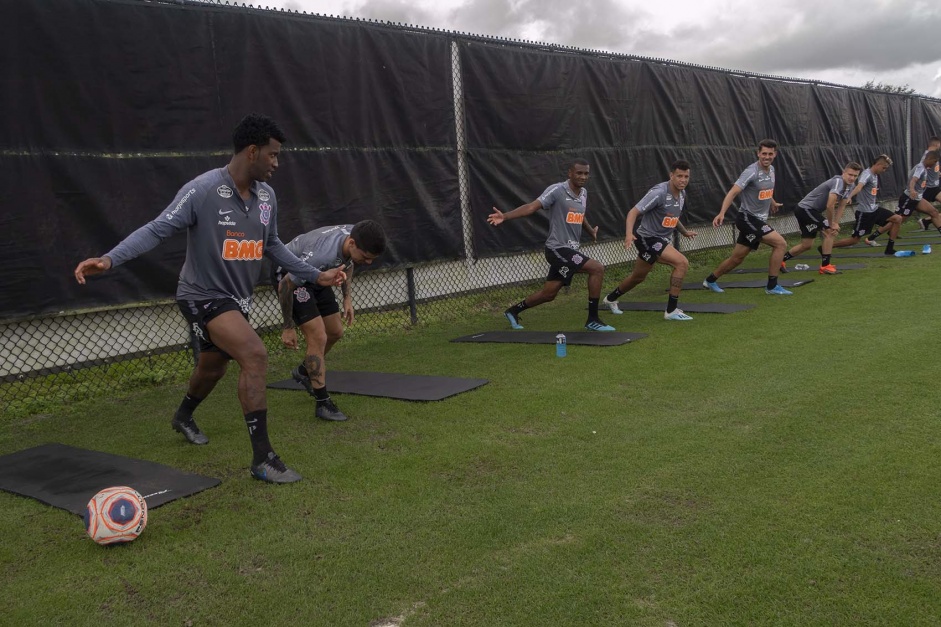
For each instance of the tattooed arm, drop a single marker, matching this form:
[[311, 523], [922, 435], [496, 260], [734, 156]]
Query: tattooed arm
[[286, 298]]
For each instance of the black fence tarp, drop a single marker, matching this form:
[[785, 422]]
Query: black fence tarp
[[530, 112], [113, 105]]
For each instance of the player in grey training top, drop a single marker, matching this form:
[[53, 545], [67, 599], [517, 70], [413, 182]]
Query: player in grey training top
[[756, 187], [912, 199], [933, 182], [230, 216], [650, 225], [820, 212], [567, 203], [868, 212], [314, 308]]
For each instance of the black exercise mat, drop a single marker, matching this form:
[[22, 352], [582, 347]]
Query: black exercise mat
[[756, 283], [67, 477], [685, 306], [406, 387], [858, 253], [813, 266], [905, 244], [579, 338]]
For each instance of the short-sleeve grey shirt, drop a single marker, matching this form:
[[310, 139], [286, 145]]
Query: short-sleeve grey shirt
[[321, 248], [566, 214], [757, 190], [819, 196], [660, 211], [869, 193]]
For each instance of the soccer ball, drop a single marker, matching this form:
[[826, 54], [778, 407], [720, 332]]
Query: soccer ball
[[116, 515]]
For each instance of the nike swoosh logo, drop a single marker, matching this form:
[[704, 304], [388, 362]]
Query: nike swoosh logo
[[222, 213]]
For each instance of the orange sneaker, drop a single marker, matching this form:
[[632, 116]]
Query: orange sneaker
[[784, 269], [828, 269]]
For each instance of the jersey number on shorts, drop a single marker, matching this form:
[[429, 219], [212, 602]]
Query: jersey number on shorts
[[670, 222], [573, 217], [765, 194]]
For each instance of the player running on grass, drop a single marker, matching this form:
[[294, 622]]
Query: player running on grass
[[829, 197], [869, 214], [230, 218], [756, 187], [650, 225], [314, 307], [567, 203]]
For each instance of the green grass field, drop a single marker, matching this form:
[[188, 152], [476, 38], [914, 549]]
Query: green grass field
[[772, 467]]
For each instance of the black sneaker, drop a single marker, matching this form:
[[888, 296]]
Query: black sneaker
[[189, 430], [273, 470], [303, 380], [327, 410]]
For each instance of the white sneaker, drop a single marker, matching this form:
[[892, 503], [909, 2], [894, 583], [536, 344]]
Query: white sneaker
[[611, 306], [873, 243], [676, 314]]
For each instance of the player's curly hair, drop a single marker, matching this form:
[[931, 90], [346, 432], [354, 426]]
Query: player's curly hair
[[255, 129]]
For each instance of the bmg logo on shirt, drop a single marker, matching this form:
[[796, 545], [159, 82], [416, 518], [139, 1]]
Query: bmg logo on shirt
[[243, 250], [573, 217], [765, 194]]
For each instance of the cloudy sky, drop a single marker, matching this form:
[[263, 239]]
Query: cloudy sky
[[890, 41]]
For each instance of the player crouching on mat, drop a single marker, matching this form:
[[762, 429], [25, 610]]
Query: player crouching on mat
[[756, 186], [659, 212], [869, 215], [567, 203], [830, 196], [314, 308]]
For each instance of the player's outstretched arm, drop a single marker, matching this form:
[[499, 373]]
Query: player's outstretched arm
[[726, 203], [498, 217], [89, 267]]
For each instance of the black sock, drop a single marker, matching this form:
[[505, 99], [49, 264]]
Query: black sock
[[671, 303], [592, 308], [872, 236], [520, 306], [615, 294], [939, 229], [712, 278], [257, 423], [303, 370], [825, 261], [890, 247], [788, 256], [772, 282], [187, 407], [321, 394]]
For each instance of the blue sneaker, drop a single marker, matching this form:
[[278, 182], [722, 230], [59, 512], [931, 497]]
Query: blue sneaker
[[780, 291], [926, 249], [598, 325], [713, 286], [513, 318]]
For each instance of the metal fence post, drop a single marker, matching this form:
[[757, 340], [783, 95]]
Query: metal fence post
[[412, 299]]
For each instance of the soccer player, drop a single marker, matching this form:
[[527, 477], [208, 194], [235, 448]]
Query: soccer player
[[756, 186], [831, 197], [230, 218], [869, 214], [566, 202], [933, 182], [314, 307], [912, 199], [650, 224]]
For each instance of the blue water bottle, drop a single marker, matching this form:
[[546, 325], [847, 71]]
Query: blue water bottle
[[560, 347]]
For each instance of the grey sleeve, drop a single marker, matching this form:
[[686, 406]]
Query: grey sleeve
[[279, 253], [179, 216]]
